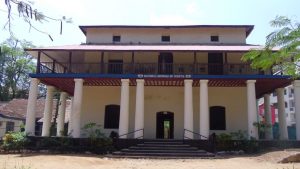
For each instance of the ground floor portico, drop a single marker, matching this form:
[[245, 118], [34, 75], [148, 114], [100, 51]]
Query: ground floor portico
[[149, 107]]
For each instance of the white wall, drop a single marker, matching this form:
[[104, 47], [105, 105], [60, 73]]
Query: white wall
[[166, 99], [183, 35], [3, 125]]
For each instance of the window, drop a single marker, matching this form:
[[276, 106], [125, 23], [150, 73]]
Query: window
[[291, 92], [274, 94], [292, 103], [284, 91], [116, 38], [285, 104], [214, 38], [165, 38], [10, 126], [217, 118], [275, 105], [112, 117]]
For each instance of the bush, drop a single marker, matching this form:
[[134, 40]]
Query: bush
[[236, 141], [14, 141], [224, 137]]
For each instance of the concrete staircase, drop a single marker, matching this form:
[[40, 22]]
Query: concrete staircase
[[162, 149]]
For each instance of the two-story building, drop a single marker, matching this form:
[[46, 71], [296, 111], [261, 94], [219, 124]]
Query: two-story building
[[157, 82]]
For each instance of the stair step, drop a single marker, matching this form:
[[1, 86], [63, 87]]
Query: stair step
[[163, 145], [164, 151], [163, 142], [162, 148], [165, 154]]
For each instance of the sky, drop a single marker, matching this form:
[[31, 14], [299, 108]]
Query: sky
[[147, 12]]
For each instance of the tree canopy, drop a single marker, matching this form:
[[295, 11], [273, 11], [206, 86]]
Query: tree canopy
[[286, 58], [15, 68]]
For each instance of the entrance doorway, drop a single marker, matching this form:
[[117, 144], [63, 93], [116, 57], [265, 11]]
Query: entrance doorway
[[215, 63], [115, 66], [165, 63], [164, 125]]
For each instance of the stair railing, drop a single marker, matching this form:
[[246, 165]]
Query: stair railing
[[132, 132], [194, 133]]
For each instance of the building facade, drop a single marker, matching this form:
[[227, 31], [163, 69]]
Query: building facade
[[171, 82], [289, 104]]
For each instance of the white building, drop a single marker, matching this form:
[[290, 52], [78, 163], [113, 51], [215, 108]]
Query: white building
[[289, 104], [157, 82]]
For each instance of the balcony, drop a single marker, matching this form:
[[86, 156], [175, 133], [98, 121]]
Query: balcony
[[147, 68]]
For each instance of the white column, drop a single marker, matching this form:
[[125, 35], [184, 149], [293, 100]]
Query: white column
[[76, 108], [252, 110], [204, 114], [283, 134], [139, 108], [61, 114], [124, 108], [297, 106], [70, 117], [31, 107], [268, 117], [48, 111], [188, 109]]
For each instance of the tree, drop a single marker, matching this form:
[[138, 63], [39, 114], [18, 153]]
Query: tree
[[30, 15], [286, 38], [15, 67]]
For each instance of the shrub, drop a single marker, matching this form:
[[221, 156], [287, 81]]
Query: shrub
[[224, 137], [92, 130], [14, 141]]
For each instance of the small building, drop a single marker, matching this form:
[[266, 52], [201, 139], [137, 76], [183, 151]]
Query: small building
[[13, 115], [154, 82]]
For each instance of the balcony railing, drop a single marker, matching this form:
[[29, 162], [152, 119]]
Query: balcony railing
[[148, 68]]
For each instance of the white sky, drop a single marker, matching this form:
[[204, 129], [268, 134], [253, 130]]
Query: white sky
[[149, 12]]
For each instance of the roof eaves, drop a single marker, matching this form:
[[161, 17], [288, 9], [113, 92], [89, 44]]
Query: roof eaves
[[82, 28]]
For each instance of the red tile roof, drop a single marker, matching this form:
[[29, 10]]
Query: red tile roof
[[17, 108]]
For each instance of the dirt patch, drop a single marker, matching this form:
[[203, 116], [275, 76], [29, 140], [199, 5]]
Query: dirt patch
[[41, 161], [291, 159], [275, 156]]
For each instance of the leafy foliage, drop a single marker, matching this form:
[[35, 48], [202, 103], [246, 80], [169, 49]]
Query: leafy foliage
[[14, 141], [262, 126], [93, 130], [15, 65], [285, 40]]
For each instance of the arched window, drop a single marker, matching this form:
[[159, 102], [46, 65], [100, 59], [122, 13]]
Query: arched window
[[112, 117], [217, 118]]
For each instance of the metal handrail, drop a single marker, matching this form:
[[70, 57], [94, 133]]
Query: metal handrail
[[126, 134], [184, 130]]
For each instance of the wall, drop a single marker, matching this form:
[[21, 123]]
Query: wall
[[166, 99], [183, 35], [3, 125]]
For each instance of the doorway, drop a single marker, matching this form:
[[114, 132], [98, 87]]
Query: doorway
[[164, 125], [165, 63], [115, 66], [215, 63]]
